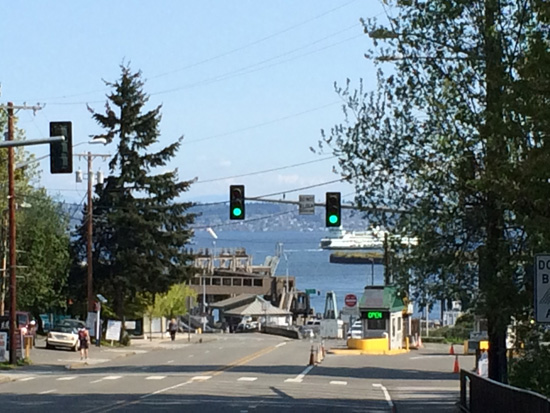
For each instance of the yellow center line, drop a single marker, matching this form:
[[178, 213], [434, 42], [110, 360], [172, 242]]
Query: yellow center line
[[213, 373]]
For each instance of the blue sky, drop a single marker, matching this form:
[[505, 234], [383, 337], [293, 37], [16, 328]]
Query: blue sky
[[249, 84]]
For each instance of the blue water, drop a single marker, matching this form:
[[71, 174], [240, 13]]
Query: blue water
[[306, 262]]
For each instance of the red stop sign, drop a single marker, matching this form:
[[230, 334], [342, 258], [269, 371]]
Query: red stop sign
[[350, 300]]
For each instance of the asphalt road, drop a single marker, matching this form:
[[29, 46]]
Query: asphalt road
[[233, 373]]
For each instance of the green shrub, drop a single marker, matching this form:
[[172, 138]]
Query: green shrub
[[433, 339], [530, 371]]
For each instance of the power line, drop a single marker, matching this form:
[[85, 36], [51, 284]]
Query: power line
[[269, 122], [241, 71], [246, 70], [264, 171], [245, 221], [210, 59], [246, 46]]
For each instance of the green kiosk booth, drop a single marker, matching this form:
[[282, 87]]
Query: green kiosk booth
[[381, 312]]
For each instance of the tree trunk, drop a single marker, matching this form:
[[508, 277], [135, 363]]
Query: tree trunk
[[119, 303], [494, 254]]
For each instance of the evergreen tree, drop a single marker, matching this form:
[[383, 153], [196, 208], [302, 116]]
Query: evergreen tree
[[140, 225], [453, 137]]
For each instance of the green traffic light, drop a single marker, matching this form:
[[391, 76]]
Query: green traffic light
[[333, 219], [237, 212]]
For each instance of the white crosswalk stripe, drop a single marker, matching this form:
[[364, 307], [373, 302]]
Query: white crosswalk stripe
[[247, 379]]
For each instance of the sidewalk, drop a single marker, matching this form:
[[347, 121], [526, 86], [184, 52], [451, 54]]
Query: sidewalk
[[44, 361]]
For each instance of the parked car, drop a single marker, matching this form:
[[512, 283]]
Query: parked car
[[78, 324], [356, 330], [247, 327], [25, 322], [311, 328], [63, 336]]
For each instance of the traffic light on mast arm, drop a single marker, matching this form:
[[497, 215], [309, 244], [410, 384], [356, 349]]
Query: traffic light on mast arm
[[333, 210], [236, 202], [61, 153]]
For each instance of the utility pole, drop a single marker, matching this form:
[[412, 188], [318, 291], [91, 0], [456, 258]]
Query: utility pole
[[12, 254], [90, 280], [11, 230], [89, 226]]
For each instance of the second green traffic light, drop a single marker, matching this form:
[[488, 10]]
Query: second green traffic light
[[236, 202], [333, 210]]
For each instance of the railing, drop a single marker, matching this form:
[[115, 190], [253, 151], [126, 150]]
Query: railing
[[482, 395]]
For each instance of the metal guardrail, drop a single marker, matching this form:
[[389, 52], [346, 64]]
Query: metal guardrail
[[482, 395]]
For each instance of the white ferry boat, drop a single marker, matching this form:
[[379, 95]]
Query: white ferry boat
[[372, 240], [355, 240]]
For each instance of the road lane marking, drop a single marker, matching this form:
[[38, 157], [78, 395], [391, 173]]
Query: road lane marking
[[281, 344], [106, 378], [300, 377], [169, 361], [155, 377], [47, 391], [247, 379], [28, 378], [386, 394], [201, 378], [339, 382], [117, 403], [207, 351], [433, 356], [66, 378], [220, 370], [190, 355]]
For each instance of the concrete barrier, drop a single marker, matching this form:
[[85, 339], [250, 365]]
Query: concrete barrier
[[373, 346], [281, 331]]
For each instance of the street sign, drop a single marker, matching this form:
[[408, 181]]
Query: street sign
[[311, 291], [307, 204], [350, 300], [542, 288]]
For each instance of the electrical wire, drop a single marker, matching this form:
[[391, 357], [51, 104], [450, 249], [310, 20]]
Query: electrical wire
[[269, 122], [264, 171]]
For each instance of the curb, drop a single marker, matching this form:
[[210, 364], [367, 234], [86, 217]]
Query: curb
[[6, 379], [356, 352]]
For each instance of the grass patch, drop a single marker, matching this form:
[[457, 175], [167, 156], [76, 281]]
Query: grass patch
[[22, 362]]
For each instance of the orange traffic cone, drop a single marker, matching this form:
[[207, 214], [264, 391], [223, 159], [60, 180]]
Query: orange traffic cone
[[452, 350], [311, 357], [456, 367]]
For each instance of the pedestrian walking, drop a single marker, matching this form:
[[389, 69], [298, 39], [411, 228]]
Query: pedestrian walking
[[84, 341], [173, 328]]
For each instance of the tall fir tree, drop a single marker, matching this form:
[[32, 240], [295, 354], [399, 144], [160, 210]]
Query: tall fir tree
[[140, 224]]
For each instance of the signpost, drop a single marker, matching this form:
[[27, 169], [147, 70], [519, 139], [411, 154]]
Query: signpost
[[306, 204], [350, 300], [542, 288]]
